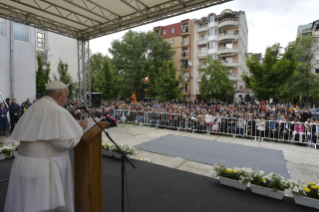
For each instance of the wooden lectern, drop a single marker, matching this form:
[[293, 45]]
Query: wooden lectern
[[88, 170]]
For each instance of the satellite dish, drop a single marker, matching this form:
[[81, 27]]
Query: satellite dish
[[189, 63]]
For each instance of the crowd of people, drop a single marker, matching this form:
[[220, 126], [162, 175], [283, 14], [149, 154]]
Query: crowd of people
[[277, 120]]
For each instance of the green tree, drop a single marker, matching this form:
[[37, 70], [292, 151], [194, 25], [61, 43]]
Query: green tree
[[267, 79], [96, 67], [168, 87], [108, 82], [134, 56], [215, 83], [65, 77], [303, 81], [42, 76]]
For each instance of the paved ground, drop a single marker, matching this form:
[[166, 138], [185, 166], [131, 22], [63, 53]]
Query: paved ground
[[303, 162]]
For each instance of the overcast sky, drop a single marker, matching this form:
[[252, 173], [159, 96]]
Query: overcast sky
[[269, 22]]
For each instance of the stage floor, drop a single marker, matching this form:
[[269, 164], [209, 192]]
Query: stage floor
[[155, 188]]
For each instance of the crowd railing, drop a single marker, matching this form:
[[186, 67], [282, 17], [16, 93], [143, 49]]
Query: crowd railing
[[302, 133]]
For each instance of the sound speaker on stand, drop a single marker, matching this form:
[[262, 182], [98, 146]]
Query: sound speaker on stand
[[96, 99]]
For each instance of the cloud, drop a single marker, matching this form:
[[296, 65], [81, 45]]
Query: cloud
[[269, 22]]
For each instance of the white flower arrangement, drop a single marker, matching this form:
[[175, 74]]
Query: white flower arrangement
[[125, 148]]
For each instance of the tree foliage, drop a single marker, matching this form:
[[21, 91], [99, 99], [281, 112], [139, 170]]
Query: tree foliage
[[215, 83], [303, 81], [267, 79], [65, 77], [108, 82], [168, 86], [42, 76], [96, 67], [135, 56]]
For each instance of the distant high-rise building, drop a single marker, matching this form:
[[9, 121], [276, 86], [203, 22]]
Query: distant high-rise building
[[311, 29], [224, 37]]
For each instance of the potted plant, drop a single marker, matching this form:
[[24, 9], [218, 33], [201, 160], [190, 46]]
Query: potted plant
[[270, 185], [7, 151], [231, 177], [236, 32], [307, 195], [106, 149], [15, 149], [126, 149], [2, 154]]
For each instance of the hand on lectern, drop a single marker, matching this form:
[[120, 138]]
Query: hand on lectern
[[84, 124]]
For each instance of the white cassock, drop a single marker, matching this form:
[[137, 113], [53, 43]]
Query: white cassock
[[41, 176]]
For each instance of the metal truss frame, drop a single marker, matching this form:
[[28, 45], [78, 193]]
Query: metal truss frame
[[84, 72], [105, 21]]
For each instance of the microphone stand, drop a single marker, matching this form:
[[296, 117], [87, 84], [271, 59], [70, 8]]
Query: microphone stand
[[123, 158]]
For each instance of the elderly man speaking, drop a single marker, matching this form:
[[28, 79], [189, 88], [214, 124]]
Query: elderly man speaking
[[41, 176]]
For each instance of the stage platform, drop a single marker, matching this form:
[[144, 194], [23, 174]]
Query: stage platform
[[155, 188]]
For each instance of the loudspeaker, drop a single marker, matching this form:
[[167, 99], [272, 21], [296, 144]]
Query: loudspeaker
[[96, 99]]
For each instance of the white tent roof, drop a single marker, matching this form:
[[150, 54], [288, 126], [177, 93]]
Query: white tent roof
[[88, 19]]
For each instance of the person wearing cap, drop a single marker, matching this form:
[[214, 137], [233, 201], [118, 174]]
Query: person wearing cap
[[41, 177]]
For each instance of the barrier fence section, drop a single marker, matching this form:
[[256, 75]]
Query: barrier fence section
[[257, 129]]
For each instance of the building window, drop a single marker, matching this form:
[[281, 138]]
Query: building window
[[164, 32], [317, 70], [185, 88], [230, 73], [2, 26], [203, 49], [317, 56], [185, 41], [21, 32], [172, 30], [40, 40], [185, 28], [228, 59], [214, 56], [227, 46], [212, 44], [44, 56], [212, 19], [171, 41], [317, 28]]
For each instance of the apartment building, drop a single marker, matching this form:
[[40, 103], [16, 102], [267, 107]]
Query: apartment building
[[18, 47], [180, 36], [312, 29], [224, 37]]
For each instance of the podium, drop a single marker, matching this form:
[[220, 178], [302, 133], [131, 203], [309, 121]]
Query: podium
[[88, 170]]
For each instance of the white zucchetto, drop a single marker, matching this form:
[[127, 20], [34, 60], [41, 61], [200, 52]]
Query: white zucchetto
[[56, 85]]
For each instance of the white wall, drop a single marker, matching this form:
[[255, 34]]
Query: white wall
[[24, 67], [64, 48]]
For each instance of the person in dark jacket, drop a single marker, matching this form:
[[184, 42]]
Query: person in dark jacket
[[272, 128], [14, 110], [4, 124]]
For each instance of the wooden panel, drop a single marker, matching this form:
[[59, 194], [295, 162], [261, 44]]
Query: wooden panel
[[88, 171]]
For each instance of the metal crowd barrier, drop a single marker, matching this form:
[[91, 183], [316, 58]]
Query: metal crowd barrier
[[256, 129]]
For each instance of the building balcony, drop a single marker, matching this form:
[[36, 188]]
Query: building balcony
[[185, 43], [185, 54], [202, 53], [230, 64], [202, 41], [213, 51], [226, 50], [202, 28], [233, 77], [228, 22], [185, 31], [213, 24], [184, 66], [228, 37], [213, 38]]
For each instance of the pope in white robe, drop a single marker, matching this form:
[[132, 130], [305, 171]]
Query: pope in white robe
[[41, 177]]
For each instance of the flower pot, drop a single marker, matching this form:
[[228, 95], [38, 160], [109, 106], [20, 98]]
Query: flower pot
[[306, 201], [107, 153], [2, 156], [232, 183], [266, 191], [119, 155], [15, 153]]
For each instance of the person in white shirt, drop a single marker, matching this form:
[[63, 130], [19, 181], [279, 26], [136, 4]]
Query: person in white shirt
[[41, 177]]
